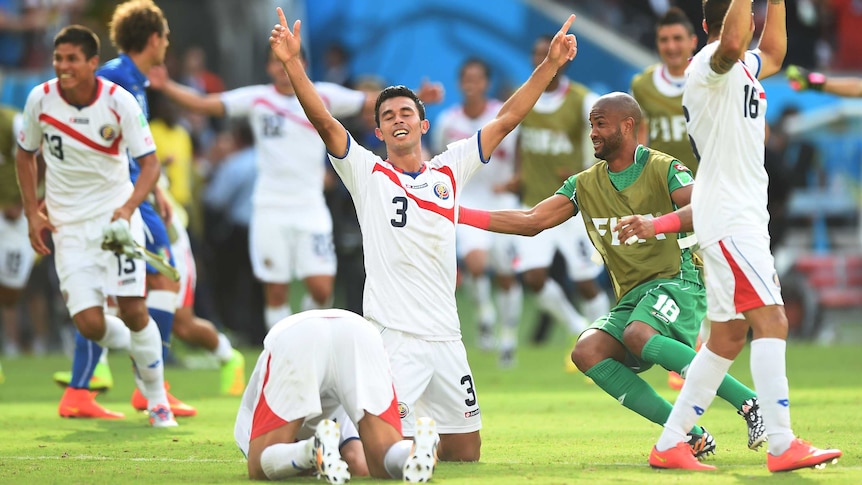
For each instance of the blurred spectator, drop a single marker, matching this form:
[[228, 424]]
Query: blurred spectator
[[196, 75], [778, 192], [847, 18], [805, 26], [227, 205], [20, 23], [174, 147], [336, 63]]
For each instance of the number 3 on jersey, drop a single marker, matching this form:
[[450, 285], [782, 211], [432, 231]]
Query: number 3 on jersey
[[400, 219]]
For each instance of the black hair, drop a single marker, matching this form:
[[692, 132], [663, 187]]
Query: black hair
[[80, 36], [675, 16], [397, 92], [475, 61]]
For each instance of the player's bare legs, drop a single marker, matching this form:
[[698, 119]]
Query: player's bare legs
[[276, 304], [319, 287], [377, 437], [9, 313], [479, 287], [195, 330], [282, 434], [459, 447]]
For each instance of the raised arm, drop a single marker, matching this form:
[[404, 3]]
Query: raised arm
[[564, 48], [773, 40], [735, 36], [801, 78], [286, 47], [548, 213], [210, 104]]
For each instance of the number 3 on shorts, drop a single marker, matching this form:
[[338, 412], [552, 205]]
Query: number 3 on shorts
[[667, 307]]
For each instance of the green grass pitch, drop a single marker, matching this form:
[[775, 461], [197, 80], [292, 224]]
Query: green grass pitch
[[541, 426]]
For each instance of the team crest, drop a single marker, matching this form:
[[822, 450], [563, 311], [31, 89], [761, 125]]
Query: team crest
[[108, 132], [680, 167], [403, 410], [441, 191]]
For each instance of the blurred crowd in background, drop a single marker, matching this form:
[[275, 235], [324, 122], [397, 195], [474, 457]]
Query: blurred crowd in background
[[210, 162]]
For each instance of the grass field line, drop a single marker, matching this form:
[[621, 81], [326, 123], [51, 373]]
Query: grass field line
[[190, 459], [211, 460]]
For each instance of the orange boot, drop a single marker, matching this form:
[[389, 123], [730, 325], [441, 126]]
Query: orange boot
[[178, 407], [801, 455], [81, 403]]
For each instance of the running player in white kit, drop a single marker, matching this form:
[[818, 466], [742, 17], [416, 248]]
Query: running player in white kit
[[725, 109], [481, 250], [408, 209], [87, 128]]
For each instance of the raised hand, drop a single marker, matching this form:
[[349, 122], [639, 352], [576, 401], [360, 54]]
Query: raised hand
[[285, 44], [158, 76], [430, 93], [802, 79], [564, 46]]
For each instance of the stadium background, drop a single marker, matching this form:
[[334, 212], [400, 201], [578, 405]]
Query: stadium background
[[405, 42]]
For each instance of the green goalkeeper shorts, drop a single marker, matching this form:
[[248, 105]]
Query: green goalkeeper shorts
[[673, 307]]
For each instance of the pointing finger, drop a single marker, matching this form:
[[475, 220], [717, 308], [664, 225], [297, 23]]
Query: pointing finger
[[568, 24], [281, 19]]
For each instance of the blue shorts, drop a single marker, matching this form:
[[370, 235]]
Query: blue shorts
[[156, 235]]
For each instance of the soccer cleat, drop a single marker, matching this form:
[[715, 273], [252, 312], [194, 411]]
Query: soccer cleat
[[178, 407], [162, 417], [81, 403], [701, 445], [486, 337], [756, 429], [233, 375], [674, 380], [678, 457], [101, 381], [328, 460], [801, 455], [507, 359], [422, 460]]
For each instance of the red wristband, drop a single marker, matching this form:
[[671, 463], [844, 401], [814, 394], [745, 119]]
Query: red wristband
[[474, 217], [667, 223]]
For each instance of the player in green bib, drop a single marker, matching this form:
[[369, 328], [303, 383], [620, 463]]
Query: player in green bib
[[660, 293]]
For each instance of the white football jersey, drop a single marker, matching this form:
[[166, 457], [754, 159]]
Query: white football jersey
[[86, 149], [408, 234], [726, 121], [291, 156], [454, 125]]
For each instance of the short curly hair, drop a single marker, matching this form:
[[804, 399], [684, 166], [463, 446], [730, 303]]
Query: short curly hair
[[133, 23]]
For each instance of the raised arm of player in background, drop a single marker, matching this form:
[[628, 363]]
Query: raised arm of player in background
[[188, 98], [773, 40], [563, 48], [801, 79]]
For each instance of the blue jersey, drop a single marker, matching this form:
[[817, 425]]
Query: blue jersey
[[123, 71]]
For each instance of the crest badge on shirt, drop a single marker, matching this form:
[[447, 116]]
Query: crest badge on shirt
[[108, 132], [441, 191]]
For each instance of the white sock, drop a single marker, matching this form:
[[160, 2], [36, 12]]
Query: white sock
[[275, 314], [704, 375], [146, 352], [553, 299], [117, 335], [597, 307], [480, 290], [283, 460], [509, 303], [224, 350], [769, 373], [395, 458], [104, 358]]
